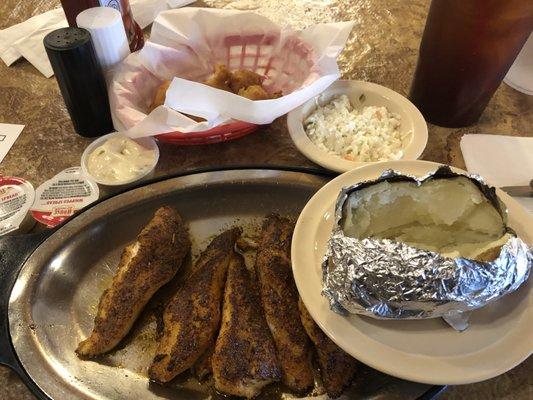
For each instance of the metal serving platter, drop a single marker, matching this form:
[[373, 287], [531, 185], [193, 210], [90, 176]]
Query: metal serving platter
[[53, 300]]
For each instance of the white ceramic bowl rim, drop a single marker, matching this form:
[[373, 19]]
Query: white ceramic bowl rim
[[297, 132], [148, 142]]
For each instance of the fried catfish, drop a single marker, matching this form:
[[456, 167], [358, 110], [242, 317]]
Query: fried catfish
[[279, 297], [192, 317], [203, 366], [337, 368], [145, 265], [245, 359]]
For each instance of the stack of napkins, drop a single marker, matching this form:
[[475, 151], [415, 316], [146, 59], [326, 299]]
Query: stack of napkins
[[500, 160], [26, 39]]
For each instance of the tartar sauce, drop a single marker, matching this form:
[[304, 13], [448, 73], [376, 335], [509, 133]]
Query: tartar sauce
[[120, 159]]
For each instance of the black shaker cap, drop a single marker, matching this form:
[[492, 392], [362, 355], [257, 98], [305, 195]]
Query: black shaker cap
[[66, 38]]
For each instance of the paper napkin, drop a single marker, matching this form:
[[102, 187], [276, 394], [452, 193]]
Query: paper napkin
[[500, 160], [8, 134], [26, 39]]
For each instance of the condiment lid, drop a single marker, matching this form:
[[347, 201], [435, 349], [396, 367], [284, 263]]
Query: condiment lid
[[16, 198], [60, 197]]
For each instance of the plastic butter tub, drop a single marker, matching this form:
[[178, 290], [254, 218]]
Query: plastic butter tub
[[60, 197], [16, 198]]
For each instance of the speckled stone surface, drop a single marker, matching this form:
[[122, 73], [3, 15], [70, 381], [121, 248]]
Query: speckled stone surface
[[382, 48]]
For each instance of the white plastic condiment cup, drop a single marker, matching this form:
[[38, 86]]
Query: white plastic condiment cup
[[361, 94], [147, 142]]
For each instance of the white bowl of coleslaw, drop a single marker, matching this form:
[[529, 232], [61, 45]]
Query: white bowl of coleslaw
[[355, 123]]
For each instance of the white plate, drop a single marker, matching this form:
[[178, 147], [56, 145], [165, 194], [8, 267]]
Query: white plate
[[500, 335], [361, 94]]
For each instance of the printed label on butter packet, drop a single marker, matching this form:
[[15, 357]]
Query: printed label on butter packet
[[60, 197], [16, 198]]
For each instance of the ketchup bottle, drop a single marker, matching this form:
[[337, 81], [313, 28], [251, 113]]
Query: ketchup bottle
[[135, 36]]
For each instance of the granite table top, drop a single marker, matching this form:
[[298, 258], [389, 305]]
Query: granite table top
[[383, 49]]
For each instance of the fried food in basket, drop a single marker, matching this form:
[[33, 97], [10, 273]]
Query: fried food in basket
[[159, 100], [243, 82], [243, 78], [221, 78], [160, 94], [255, 92]]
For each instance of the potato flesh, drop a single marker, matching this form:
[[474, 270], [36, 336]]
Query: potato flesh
[[449, 216]]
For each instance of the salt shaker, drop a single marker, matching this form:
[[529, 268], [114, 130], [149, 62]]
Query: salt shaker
[[135, 35], [107, 33]]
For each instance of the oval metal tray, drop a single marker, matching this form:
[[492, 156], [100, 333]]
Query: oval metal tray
[[54, 298]]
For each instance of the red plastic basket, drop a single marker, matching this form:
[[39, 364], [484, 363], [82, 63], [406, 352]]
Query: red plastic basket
[[251, 52], [222, 133], [235, 60]]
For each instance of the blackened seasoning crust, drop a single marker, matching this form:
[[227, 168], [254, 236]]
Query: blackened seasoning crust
[[279, 297], [337, 368], [145, 265], [245, 359], [192, 317]]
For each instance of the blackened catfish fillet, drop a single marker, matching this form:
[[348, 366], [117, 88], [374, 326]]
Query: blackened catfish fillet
[[245, 359], [203, 367], [337, 368], [145, 265], [192, 317], [279, 297]]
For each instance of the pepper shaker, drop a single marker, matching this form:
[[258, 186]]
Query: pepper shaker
[[80, 79]]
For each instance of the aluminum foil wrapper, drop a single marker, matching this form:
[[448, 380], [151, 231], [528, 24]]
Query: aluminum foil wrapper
[[385, 279]]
